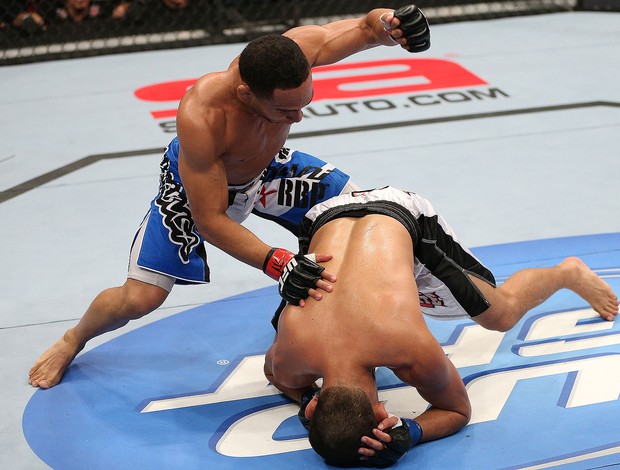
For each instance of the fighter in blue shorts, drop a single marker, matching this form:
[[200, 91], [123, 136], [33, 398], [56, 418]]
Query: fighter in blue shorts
[[230, 124], [168, 249]]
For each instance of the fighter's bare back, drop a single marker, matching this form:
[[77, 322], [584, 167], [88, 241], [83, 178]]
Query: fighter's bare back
[[308, 339]]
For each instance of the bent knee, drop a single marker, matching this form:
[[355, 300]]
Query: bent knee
[[493, 322], [140, 298], [501, 316]]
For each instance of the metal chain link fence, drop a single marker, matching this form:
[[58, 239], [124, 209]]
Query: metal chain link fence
[[35, 30]]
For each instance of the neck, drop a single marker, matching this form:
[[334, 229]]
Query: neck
[[353, 377]]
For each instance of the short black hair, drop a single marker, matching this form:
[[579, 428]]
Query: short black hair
[[341, 417], [273, 62]]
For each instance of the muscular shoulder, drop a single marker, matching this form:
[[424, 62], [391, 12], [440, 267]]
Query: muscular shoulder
[[204, 102], [294, 359], [202, 117]]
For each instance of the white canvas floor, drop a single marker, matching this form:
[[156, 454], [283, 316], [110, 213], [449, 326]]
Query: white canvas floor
[[537, 159]]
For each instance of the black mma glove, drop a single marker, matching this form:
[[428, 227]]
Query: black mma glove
[[296, 274], [414, 26], [404, 437], [305, 399]]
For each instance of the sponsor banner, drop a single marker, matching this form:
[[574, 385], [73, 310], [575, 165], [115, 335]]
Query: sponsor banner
[[391, 87]]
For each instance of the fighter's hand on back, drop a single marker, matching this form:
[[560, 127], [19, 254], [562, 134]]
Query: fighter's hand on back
[[409, 27], [298, 276]]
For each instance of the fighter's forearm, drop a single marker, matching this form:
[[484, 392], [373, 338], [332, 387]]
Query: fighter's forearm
[[234, 239], [298, 277], [375, 26], [437, 423]]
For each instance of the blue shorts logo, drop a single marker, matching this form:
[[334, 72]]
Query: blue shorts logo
[[188, 391]]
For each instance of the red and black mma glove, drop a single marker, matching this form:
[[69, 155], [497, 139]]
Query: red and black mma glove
[[296, 274], [404, 437], [414, 26]]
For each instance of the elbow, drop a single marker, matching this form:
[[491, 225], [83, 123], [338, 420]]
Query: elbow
[[466, 417], [268, 366], [460, 419], [461, 412], [207, 228], [465, 413]]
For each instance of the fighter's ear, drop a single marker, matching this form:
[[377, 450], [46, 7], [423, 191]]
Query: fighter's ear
[[311, 406], [243, 92], [380, 411]]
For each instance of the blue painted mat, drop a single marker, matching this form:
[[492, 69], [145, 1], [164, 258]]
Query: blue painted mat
[[188, 391]]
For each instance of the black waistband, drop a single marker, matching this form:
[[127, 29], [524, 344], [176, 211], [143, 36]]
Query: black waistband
[[382, 207]]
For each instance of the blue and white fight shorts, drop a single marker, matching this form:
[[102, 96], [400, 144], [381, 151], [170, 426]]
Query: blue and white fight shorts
[[167, 248], [442, 266]]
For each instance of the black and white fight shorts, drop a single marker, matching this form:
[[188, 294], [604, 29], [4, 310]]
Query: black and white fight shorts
[[442, 265]]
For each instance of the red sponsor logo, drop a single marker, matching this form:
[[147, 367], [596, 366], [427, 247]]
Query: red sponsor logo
[[263, 195], [388, 77], [431, 300], [350, 80]]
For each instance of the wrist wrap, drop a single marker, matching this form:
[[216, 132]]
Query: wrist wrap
[[275, 261]]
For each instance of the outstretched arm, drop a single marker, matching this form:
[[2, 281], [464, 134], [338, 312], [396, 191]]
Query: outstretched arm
[[335, 41]]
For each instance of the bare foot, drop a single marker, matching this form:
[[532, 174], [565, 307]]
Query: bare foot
[[50, 367], [592, 288]]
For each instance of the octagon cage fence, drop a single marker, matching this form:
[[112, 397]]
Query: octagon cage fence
[[37, 30]]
